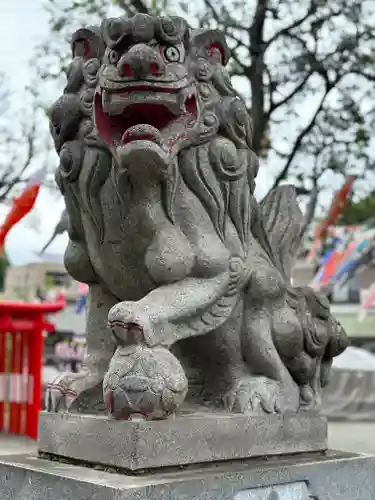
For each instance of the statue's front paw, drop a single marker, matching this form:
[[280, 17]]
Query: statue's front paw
[[131, 326], [67, 388], [252, 394]]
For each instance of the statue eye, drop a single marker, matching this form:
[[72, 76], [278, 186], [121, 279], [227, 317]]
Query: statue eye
[[113, 57], [172, 54]]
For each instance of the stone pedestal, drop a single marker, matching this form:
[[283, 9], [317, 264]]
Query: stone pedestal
[[314, 476], [194, 438], [201, 456]]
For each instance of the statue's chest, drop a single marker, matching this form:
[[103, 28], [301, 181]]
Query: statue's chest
[[141, 248], [117, 251], [137, 248]]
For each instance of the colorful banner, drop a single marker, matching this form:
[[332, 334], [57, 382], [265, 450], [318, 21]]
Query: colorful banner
[[367, 303], [339, 202], [351, 265], [347, 257], [22, 205], [83, 290]]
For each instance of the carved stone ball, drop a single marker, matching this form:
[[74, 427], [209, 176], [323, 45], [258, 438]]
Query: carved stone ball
[[144, 382]]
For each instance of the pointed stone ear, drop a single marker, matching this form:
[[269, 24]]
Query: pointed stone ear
[[214, 43], [87, 43]]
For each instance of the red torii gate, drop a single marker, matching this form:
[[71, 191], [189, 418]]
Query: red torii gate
[[22, 326]]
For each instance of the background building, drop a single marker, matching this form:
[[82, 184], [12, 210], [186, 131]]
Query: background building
[[31, 281]]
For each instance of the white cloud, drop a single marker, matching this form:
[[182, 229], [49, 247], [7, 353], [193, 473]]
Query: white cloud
[[23, 24]]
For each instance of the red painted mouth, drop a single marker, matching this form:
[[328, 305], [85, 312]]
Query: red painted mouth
[[141, 121]]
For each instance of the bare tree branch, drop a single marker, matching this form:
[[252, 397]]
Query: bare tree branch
[[365, 74], [298, 142], [274, 106], [226, 21], [314, 195], [256, 74], [18, 144], [10, 184], [315, 64], [138, 5], [239, 42], [128, 9], [295, 24]]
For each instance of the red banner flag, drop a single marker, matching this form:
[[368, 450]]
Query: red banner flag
[[339, 201], [22, 205]]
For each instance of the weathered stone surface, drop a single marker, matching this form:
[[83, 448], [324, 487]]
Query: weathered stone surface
[[330, 476], [190, 439]]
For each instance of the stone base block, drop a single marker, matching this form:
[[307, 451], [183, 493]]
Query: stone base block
[[324, 476], [183, 440]]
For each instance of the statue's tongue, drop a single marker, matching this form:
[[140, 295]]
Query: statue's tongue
[[141, 152], [142, 132]]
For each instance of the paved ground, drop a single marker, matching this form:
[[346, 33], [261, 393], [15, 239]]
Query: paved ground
[[11, 445], [354, 436]]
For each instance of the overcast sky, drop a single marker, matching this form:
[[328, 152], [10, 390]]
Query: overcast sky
[[22, 24]]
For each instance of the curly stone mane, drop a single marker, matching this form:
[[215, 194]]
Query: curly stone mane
[[74, 134], [226, 189]]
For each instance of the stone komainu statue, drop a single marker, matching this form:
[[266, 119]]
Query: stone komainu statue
[[189, 276]]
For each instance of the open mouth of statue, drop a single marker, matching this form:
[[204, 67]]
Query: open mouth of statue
[[161, 116]]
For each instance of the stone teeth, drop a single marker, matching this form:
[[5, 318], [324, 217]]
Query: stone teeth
[[106, 100], [184, 96], [166, 100], [181, 100], [116, 103]]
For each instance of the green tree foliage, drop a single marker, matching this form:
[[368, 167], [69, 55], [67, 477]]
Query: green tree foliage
[[306, 70], [4, 264], [358, 212]]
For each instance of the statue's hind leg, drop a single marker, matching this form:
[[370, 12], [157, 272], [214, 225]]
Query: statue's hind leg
[[257, 382], [83, 391], [270, 387], [213, 362]]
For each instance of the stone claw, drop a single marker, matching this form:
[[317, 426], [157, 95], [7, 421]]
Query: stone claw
[[253, 394], [130, 326], [55, 397], [65, 389]]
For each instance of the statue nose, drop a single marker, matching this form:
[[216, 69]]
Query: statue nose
[[141, 61]]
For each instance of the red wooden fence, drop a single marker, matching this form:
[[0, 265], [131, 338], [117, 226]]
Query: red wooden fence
[[22, 327]]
